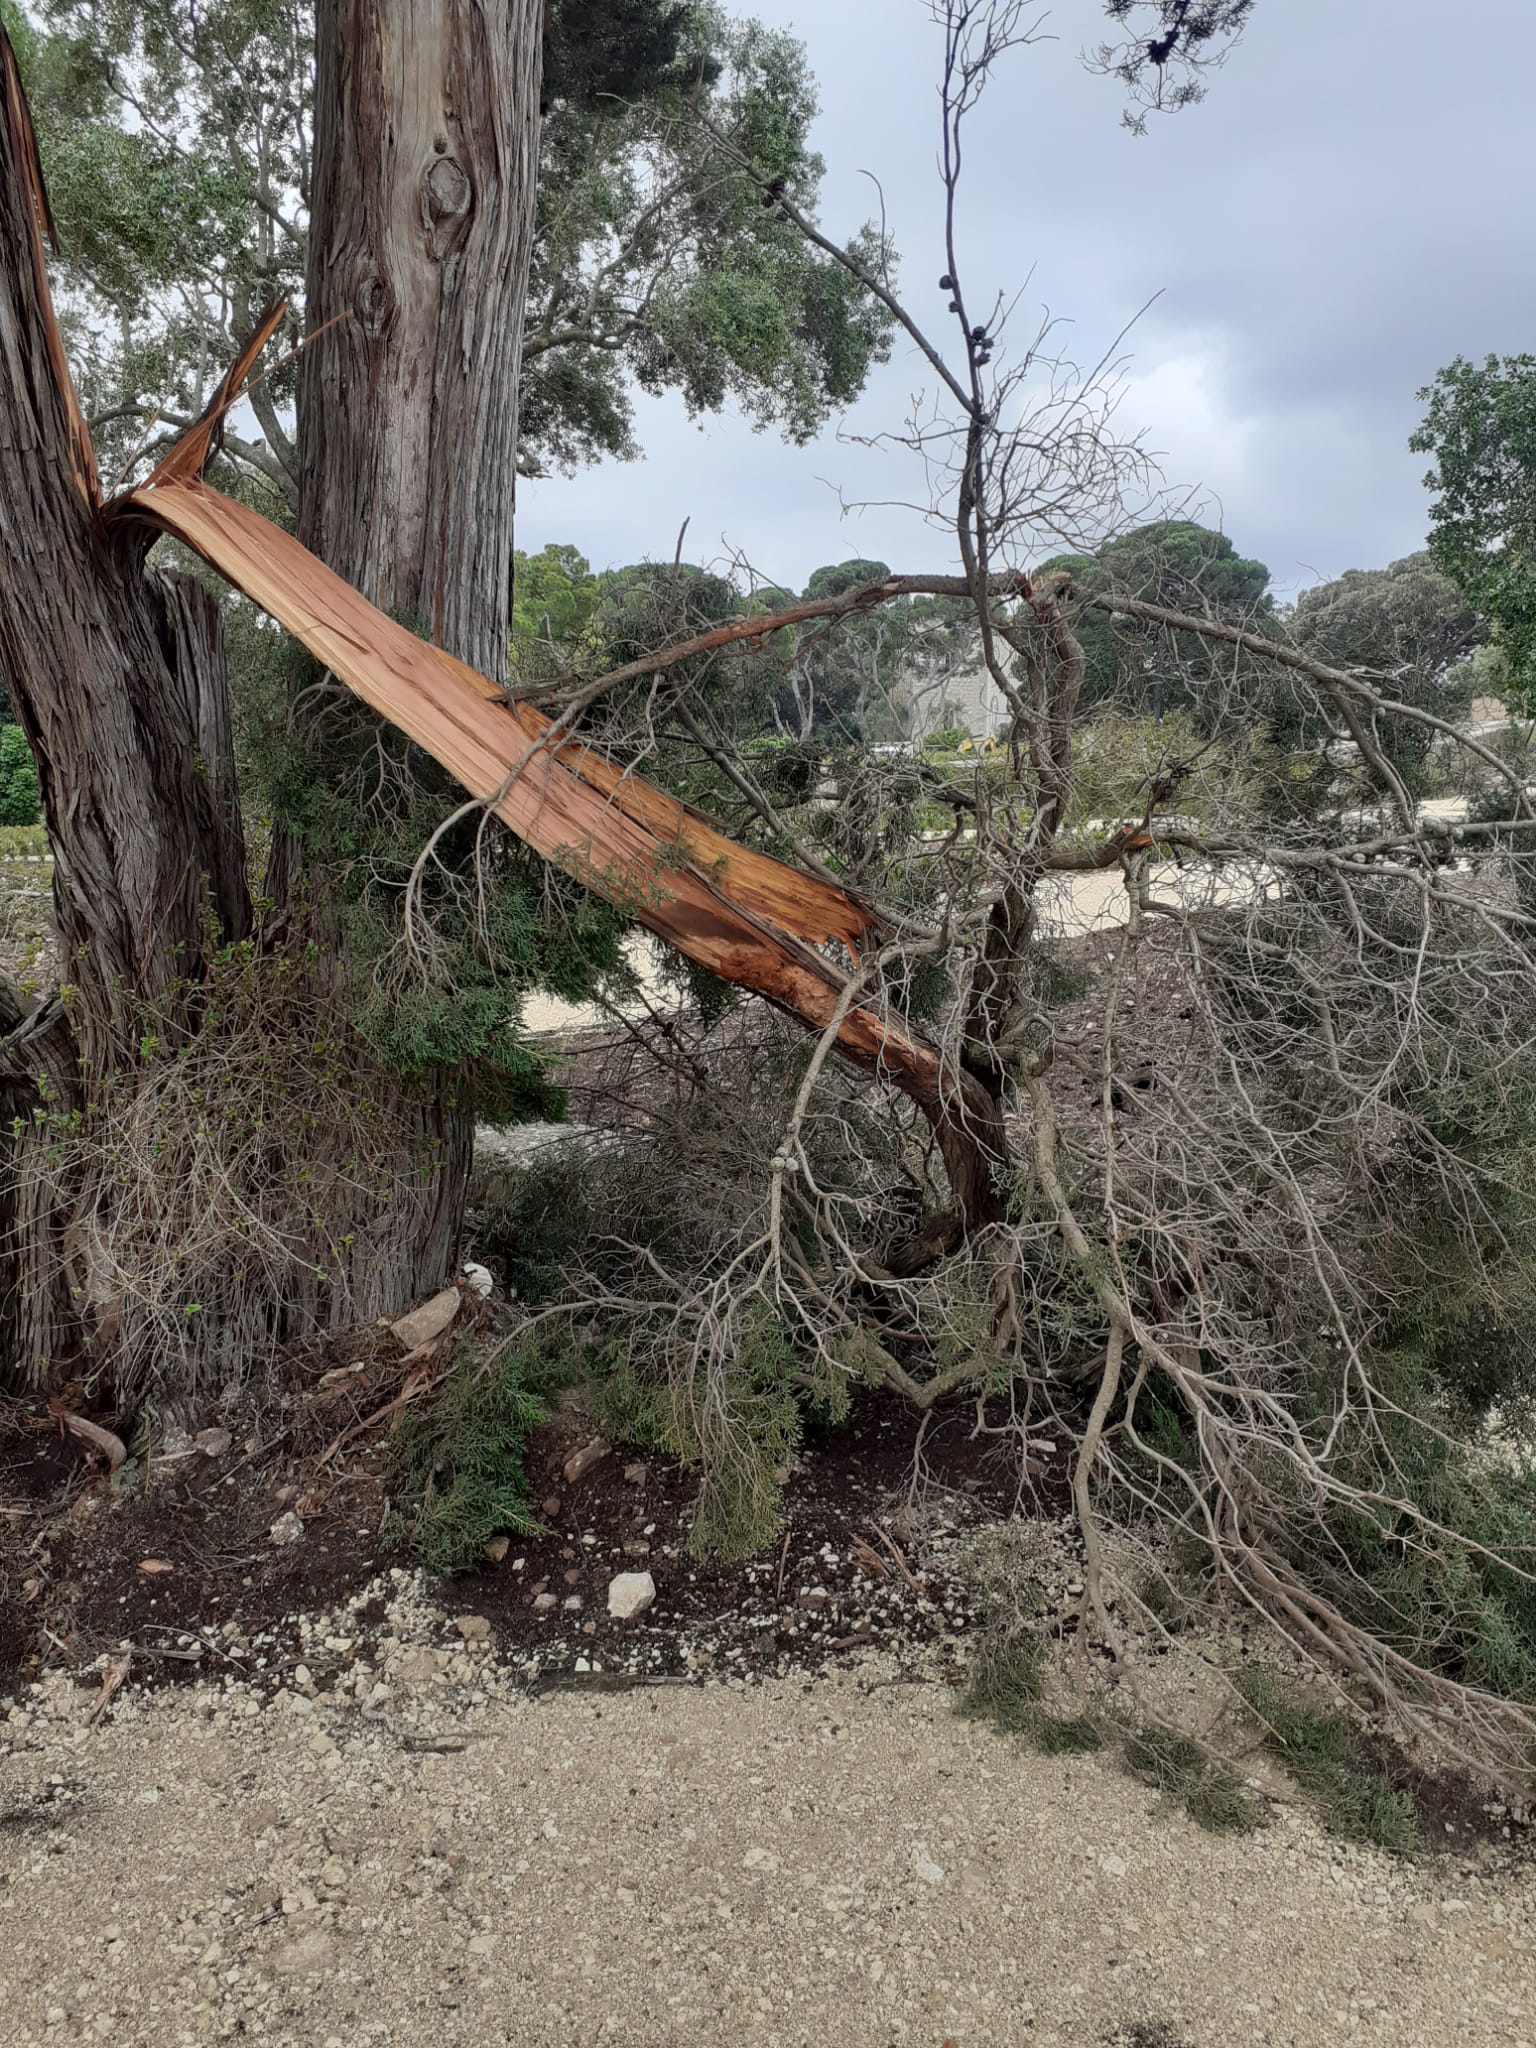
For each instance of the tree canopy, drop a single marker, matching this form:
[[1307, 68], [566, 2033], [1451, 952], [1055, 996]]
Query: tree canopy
[[178, 145], [1184, 566], [1480, 427]]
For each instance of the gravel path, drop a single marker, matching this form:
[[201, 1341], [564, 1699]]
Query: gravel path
[[841, 1862]]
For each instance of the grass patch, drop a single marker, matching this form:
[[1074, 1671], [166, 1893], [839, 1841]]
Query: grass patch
[[461, 1464], [1005, 1684], [1211, 1793], [1006, 1687], [1324, 1755]]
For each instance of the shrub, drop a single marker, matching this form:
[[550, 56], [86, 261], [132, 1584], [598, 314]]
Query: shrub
[[1326, 1758], [461, 1461]]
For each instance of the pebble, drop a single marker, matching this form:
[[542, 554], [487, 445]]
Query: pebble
[[474, 1628], [287, 1528], [580, 1463], [630, 1594]]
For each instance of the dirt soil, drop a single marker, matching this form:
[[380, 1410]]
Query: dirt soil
[[838, 1581], [840, 1860], [335, 1802]]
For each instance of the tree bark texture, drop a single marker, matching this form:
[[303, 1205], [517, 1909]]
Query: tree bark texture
[[423, 190], [117, 677], [426, 160]]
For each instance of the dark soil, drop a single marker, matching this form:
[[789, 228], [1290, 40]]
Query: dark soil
[[865, 1556], [868, 1557]]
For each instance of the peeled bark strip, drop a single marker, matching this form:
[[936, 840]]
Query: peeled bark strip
[[475, 732]]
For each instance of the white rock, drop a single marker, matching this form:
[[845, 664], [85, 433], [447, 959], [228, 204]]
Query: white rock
[[287, 1528], [630, 1594], [1114, 1866], [478, 1279], [213, 1443], [927, 1869]]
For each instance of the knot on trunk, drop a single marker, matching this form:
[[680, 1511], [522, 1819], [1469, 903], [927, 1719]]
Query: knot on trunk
[[450, 197]]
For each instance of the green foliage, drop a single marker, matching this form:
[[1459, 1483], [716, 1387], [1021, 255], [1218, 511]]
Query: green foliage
[[157, 124], [1210, 1792], [1189, 568], [20, 799], [553, 596], [1326, 1758], [1410, 625], [657, 264], [460, 1459], [1480, 428], [488, 920]]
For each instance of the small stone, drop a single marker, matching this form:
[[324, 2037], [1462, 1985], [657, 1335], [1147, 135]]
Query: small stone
[[1114, 1866], [474, 1628], [543, 1602], [287, 1528], [572, 1603], [637, 1474], [927, 1869], [310, 1954], [580, 1463], [426, 1324], [478, 1279], [321, 1745], [630, 1594], [551, 1508], [260, 1818], [497, 1548], [213, 1443]]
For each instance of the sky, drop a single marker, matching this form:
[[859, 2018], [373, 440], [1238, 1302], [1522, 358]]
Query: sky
[[1349, 209]]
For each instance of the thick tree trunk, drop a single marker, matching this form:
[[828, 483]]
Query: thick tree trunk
[[117, 678], [426, 145], [340, 1207]]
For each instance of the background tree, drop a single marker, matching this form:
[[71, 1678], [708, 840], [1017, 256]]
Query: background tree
[[1182, 566], [1480, 427], [179, 141], [1409, 627], [20, 799]]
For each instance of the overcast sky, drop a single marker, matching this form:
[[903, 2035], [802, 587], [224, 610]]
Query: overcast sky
[[1349, 209]]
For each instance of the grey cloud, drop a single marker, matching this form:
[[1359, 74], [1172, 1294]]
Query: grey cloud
[[1347, 210]]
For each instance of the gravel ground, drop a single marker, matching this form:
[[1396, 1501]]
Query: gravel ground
[[424, 1850]]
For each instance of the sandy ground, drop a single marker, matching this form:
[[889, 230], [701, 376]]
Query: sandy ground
[[842, 1862]]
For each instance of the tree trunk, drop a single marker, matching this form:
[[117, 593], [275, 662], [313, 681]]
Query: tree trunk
[[425, 167], [117, 677], [206, 1167]]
